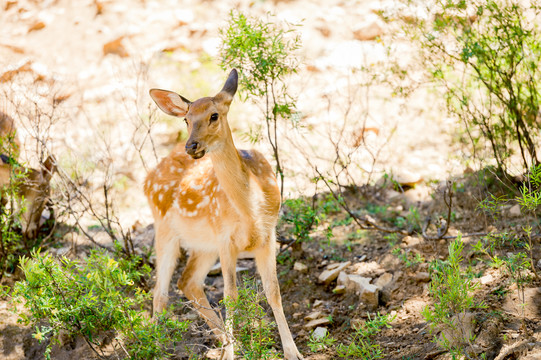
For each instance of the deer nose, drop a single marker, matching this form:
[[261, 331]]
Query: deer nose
[[192, 147]]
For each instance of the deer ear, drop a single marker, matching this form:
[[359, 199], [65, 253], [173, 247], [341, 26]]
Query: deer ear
[[170, 102], [230, 88]]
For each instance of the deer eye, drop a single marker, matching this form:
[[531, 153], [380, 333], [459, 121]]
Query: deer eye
[[214, 117]]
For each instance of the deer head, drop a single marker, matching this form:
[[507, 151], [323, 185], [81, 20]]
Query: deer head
[[206, 118]]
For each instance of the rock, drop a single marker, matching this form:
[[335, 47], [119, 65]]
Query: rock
[[514, 211], [339, 290], [319, 333], [115, 47], [412, 241], [217, 270], [328, 276], [384, 280], [313, 316], [38, 25], [487, 279], [392, 195], [318, 303], [368, 293], [318, 322], [407, 178], [300, 267], [422, 277], [362, 258], [462, 329], [368, 31], [343, 279]]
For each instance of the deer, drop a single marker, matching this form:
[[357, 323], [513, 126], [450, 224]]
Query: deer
[[32, 186], [215, 201]]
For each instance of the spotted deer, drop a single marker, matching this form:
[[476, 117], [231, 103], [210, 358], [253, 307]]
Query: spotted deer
[[214, 206], [32, 186]]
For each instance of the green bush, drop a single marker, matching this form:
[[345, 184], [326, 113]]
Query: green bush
[[247, 319], [485, 56], [452, 292], [263, 52], [93, 297], [362, 345]]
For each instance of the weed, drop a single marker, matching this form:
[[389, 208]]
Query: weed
[[362, 345], [452, 291], [91, 297], [263, 52], [320, 343], [249, 324]]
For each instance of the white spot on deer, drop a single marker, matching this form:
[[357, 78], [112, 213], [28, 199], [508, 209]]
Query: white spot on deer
[[155, 187], [189, 201], [219, 187], [179, 170], [205, 202], [160, 197], [147, 183], [272, 180], [166, 187], [196, 186], [172, 183], [191, 213], [216, 212], [172, 168]]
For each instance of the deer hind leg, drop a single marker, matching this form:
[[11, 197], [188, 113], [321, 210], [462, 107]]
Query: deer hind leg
[[265, 258], [191, 284], [167, 253]]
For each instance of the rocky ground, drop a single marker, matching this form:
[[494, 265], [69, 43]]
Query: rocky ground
[[93, 63]]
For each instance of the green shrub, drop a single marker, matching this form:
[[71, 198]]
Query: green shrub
[[263, 52], [485, 56], [452, 292], [362, 345], [93, 297], [247, 319]]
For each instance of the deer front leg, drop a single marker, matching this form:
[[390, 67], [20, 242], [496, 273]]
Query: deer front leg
[[191, 284], [228, 261], [167, 253], [266, 265]]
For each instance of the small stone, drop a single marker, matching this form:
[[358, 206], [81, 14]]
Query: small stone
[[422, 277], [368, 31], [319, 333], [328, 276], [300, 267], [362, 258], [463, 328], [514, 211], [115, 47], [317, 322], [339, 290], [384, 280], [318, 303], [313, 316], [407, 178], [343, 279], [412, 241], [369, 293], [36, 26], [217, 270], [487, 279]]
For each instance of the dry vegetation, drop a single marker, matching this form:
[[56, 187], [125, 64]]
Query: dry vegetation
[[380, 179]]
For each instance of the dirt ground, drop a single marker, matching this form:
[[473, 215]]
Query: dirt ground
[[95, 61]]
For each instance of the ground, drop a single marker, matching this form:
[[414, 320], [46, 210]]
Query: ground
[[96, 60]]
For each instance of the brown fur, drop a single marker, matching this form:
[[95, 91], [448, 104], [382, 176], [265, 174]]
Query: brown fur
[[215, 202]]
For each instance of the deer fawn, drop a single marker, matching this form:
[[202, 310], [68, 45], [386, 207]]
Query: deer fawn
[[32, 185], [214, 206]]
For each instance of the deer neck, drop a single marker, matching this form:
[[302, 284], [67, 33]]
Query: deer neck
[[233, 175]]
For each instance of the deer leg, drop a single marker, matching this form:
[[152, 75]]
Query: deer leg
[[191, 284], [228, 261], [265, 258], [167, 253]]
